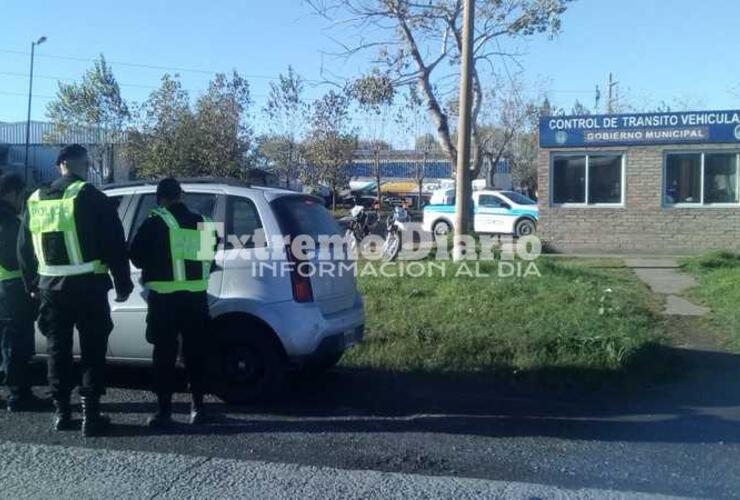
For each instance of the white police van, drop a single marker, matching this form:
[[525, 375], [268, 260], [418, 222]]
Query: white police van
[[495, 212]]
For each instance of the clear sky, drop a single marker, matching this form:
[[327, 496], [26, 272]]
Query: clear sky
[[679, 51]]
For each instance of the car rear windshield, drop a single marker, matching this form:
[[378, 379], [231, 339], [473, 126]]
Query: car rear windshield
[[302, 214], [518, 198]]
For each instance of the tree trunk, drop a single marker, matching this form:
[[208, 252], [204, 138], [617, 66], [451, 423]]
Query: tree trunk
[[377, 175]]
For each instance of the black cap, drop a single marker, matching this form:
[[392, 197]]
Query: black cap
[[169, 189], [71, 152]]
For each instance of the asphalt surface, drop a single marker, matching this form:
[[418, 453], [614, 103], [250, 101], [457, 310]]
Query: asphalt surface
[[40, 471], [678, 438]]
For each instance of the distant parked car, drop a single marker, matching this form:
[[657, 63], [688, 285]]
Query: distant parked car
[[495, 212]]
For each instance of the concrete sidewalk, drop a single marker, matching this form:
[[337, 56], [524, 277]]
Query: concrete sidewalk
[[40, 471], [663, 276]]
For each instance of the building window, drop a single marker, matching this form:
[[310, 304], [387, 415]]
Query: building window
[[587, 179], [696, 179]]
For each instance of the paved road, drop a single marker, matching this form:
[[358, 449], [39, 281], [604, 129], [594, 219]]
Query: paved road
[[681, 438], [39, 471]]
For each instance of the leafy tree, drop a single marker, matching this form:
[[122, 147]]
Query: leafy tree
[[170, 137], [421, 42], [93, 103], [224, 136], [330, 144], [287, 114], [162, 142]]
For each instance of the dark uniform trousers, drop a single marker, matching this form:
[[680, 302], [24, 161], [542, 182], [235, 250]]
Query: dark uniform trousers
[[170, 317], [60, 312], [16, 336]]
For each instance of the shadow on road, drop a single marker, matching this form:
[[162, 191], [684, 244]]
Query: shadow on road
[[701, 403]]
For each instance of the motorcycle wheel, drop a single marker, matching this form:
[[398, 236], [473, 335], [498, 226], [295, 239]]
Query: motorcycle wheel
[[391, 247]]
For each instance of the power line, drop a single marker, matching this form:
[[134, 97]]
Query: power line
[[142, 65]]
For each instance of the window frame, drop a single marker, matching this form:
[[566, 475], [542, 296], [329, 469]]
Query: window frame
[[702, 153], [136, 199], [230, 201], [587, 154]]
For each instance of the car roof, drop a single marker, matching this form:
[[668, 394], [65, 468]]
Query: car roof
[[206, 184]]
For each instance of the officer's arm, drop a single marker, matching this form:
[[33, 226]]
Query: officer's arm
[[112, 243], [9, 239], [141, 246], [26, 257]]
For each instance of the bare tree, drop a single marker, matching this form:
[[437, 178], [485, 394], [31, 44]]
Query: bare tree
[[330, 144], [416, 41], [374, 94], [506, 116], [287, 114]]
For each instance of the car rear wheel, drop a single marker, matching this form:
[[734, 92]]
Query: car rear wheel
[[441, 228], [249, 366], [524, 227]]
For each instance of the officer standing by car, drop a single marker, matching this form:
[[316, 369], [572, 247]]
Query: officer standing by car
[[71, 239], [175, 250], [17, 307]]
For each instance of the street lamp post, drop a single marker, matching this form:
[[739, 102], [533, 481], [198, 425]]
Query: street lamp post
[[28, 118]]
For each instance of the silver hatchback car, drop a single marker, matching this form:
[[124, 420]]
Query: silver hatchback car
[[265, 322]]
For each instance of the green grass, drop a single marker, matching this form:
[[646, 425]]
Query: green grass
[[718, 274], [572, 316]]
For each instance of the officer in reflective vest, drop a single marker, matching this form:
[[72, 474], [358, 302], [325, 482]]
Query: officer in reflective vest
[[175, 250], [71, 240], [17, 307]]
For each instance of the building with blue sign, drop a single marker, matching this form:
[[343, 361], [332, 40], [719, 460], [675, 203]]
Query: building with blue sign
[[651, 183]]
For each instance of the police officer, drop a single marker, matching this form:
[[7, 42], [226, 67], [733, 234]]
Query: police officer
[[71, 240], [17, 307], [174, 248]]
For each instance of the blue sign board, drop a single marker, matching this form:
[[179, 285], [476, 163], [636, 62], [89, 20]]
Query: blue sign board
[[640, 129]]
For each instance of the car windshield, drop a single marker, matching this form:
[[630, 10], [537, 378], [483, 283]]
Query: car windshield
[[518, 198]]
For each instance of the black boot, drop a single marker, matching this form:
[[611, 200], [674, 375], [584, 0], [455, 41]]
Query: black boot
[[93, 423], [163, 418], [62, 415], [198, 415]]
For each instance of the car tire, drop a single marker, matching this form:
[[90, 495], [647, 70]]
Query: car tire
[[441, 228], [524, 227], [250, 366]]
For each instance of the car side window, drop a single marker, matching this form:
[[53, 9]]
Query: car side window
[[243, 220], [490, 201], [117, 203], [202, 203]]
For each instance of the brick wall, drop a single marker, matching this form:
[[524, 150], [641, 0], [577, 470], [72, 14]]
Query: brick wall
[[642, 225]]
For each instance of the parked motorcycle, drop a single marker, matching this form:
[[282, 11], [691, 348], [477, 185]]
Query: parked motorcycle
[[395, 225], [358, 226]]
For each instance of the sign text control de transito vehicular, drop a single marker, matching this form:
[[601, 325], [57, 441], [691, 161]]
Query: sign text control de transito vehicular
[[266, 321], [495, 212]]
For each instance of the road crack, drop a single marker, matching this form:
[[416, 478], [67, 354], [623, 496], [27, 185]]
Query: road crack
[[180, 475]]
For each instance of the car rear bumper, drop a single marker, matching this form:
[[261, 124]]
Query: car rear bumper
[[306, 333], [330, 347]]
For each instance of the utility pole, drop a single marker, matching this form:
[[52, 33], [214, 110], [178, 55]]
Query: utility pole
[[28, 117], [463, 191], [612, 93]]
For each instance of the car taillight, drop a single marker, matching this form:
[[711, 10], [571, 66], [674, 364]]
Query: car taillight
[[302, 290]]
